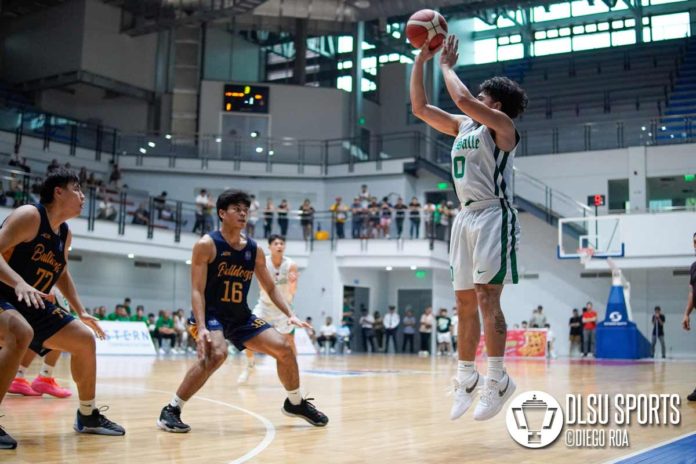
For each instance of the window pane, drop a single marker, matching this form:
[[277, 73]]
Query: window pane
[[603, 26], [564, 31], [485, 51], [510, 52], [515, 38], [630, 22], [591, 28], [625, 37], [671, 26], [578, 29], [646, 34], [617, 24], [549, 47], [540, 35], [504, 22], [556, 11], [481, 26], [503, 40], [582, 7], [552, 34], [588, 42], [345, 83], [345, 44], [660, 2]]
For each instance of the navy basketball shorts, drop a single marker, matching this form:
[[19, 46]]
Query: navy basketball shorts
[[46, 322], [237, 334]]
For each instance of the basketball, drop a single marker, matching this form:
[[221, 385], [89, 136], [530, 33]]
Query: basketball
[[424, 25]]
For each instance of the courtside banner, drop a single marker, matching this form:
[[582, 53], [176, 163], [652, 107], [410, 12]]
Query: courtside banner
[[125, 338], [520, 343]]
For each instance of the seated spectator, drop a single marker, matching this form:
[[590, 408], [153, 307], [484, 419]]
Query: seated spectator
[[152, 327], [115, 176], [139, 315], [91, 180], [53, 166], [141, 216], [160, 202], [444, 332], [82, 176], [327, 333], [107, 210], [119, 315], [100, 313], [165, 330]]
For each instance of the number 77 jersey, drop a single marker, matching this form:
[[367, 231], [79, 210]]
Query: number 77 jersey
[[228, 281], [41, 261], [481, 170]]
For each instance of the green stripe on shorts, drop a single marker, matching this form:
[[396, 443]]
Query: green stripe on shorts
[[499, 278]]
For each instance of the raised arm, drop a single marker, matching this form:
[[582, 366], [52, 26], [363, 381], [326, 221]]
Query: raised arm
[[432, 115]]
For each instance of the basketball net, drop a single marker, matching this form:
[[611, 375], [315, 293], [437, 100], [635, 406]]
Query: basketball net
[[586, 255]]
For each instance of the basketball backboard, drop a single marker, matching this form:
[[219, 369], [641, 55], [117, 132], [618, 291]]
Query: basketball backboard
[[601, 234]]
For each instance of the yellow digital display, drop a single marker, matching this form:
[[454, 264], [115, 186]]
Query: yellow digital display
[[245, 98]]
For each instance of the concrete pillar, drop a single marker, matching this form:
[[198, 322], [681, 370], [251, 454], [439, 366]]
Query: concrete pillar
[[300, 70], [357, 95], [637, 184]]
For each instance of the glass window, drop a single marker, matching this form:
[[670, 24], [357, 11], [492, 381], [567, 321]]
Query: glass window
[[540, 35], [578, 30], [393, 57], [630, 22], [510, 52], [617, 24], [481, 26], [345, 83], [588, 42], [504, 21], [625, 37], [660, 2], [345, 44], [549, 47], [382, 59], [603, 26], [646, 21], [555, 11], [564, 31], [503, 40], [583, 7], [368, 85], [591, 28], [485, 51], [405, 59], [367, 46], [516, 38], [646, 34], [671, 26], [552, 34]]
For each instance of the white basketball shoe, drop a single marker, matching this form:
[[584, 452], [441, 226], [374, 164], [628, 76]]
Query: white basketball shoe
[[493, 396], [464, 394], [244, 376]]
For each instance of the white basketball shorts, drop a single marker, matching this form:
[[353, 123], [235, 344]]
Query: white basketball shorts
[[275, 317]]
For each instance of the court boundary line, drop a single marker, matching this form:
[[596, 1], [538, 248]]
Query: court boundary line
[[650, 448], [255, 451]]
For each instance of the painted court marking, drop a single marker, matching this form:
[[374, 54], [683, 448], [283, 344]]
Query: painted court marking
[[678, 450]]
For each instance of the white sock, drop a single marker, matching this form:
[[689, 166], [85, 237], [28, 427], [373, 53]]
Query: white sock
[[465, 370], [295, 396], [21, 372], [87, 406], [495, 368], [251, 363], [177, 402], [46, 370]]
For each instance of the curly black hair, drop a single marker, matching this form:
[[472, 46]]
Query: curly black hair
[[508, 92]]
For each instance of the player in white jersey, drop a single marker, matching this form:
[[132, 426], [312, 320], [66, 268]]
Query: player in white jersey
[[485, 234], [283, 270]]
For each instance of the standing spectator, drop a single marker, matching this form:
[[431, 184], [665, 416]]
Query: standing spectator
[[357, 219], [385, 217], [141, 215], [327, 333], [575, 325], [690, 305], [429, 215], [283, 210], [444, 332], [400, 213], [391, 325], [378, 328], [368, 334], [426, 326], [374, 217], [159, 202], [82, 176], [550, 341], [165, 330], [409, 331], [442, 220], [364, 196], [524, 325], [268, 218], [253, 216], [589, 324], [455, 328], [307, 219], [107, 210], [340, 215], [658, 331], [201, 203], [115, 176], [538, 319], [414, 216]]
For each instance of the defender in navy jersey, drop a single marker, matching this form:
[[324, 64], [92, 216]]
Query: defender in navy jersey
[[222, 266], [485, 233], [690, 306], [34, 243]]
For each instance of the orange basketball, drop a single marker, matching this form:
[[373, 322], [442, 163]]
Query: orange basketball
[[426, 25]]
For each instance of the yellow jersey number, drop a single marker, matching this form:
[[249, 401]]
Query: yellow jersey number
[[43, 281], [233, 292]]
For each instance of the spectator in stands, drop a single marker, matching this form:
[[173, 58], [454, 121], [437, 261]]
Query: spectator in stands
[[374, 217], [283, 209], [357, 219], [52, 166], [414, 216], [378, 328], [180, 329], [15, 191], [139, 315], [524, 324], [82, 176], [538, 317], [575, 324], [327, 333], [119, 314], [550, 341], [152, 328], [400, 214], [658, 330], [107, 210], [368, 334], [202, 205], [385, 218], [160, 202], [364, 196], [100, 313], [253, 216], [427, 321], [409, 323], [268, 218], [127, 304], [20, 164], [115, 176], [428, 215], [165, 330], [307, 219], [141, 215], [391, 325], [589, 324], [339, 216], [347, 319], [444, 332], [92, 180]]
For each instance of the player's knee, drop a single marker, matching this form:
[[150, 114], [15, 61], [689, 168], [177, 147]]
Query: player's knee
[[284, 350], [23, 335], [217, 358], [487, 297]]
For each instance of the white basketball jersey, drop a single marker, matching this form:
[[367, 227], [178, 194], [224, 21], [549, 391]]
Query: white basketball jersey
[[481, 171], [280, 277]]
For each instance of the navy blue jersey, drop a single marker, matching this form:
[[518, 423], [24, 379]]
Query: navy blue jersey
[[229, 278], [41, 261]]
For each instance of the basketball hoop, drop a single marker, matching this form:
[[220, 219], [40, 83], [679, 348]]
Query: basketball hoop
[[586, 255]]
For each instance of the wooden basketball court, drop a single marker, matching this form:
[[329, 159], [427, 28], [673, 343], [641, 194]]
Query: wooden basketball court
[[382, 409]]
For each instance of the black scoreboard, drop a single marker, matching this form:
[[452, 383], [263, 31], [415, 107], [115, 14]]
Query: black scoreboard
[[245, 98]]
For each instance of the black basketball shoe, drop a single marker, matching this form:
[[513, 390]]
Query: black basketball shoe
[[692, 396], [97, 423], [6, 441], [306, 411], [170, 420]]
